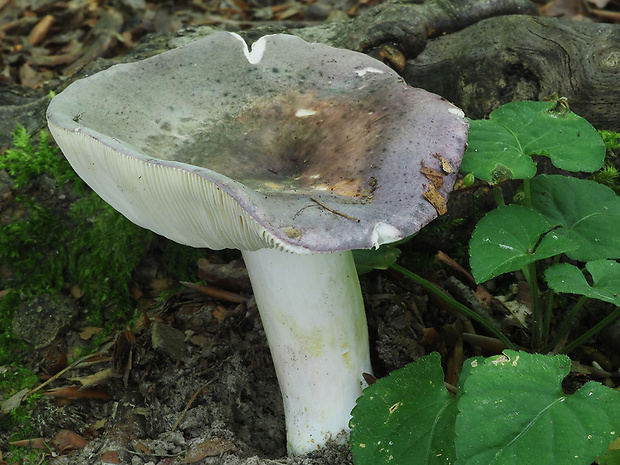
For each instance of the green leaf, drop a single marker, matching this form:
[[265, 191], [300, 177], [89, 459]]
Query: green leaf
[[507, 239], [513, 411], [501, 147], [493, 153], [407, 417], [612, 456], [605, 274], [587, 212], [367, 260]]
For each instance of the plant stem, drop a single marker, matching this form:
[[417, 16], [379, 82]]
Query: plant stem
[[592, 331], [548, 316], [453, 303], [568, 321], [527, 196], [498, 196], [537, 324]]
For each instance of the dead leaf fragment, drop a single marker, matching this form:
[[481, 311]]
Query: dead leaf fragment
[[435, 198], [219, 313], [393, 56], [445, 166], [230, 276], [13, 402], [66, 440], [215, 292], [35, 443], [110, 456], [96, 378], [74, 392], [433, 176], [40, 30], [89, 332], [212, 448]]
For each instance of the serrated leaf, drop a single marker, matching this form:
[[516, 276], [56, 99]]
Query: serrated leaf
[[513, 411], [507, 239], [587, 212], [567, 278], [501, 146], [407, 417]]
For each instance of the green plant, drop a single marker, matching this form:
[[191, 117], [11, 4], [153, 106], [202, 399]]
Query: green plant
[[16, 408], [557, 216], [565, 227], [24, 161], [509, 409], [46, 246]]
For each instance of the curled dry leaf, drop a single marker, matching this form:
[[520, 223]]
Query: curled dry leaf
[[96, 378], [110, 456], [36, 443], [13, 402], [211, 448], [40, 30], [74, 392], [445, 165], [433, 176], [66, 440], [393, 56], [89, 332], [215, 292], [435, 199]]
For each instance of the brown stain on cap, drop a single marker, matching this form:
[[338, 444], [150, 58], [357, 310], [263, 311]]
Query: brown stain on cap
[[302, 143]]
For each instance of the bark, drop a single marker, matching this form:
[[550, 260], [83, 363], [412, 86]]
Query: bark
[[410, 24], [508, 58]]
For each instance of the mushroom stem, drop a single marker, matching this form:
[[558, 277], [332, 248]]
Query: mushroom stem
[[313, 314]]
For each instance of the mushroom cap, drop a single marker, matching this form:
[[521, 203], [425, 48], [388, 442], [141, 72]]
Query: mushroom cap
[[298, 146]]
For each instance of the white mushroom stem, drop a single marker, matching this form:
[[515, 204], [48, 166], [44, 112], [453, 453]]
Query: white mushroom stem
[[312, 310]]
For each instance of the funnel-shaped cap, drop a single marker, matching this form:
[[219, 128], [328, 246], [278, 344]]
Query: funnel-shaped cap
[[292, 145]]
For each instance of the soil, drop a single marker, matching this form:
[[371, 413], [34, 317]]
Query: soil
[[191, 379]]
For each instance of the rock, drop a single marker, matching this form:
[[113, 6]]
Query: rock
[[169, 340], [39, 320]]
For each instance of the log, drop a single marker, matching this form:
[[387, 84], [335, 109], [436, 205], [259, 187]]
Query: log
[[503, 59]]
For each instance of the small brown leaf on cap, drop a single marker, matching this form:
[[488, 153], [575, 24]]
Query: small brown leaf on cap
[[434, 197], [445, 166], [433, 176]]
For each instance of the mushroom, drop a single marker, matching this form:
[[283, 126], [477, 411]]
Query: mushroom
[[293, 153]]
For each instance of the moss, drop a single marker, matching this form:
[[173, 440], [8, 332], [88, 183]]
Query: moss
[[611, 139], [47, 248], [17, 420], [24, 162], [10, 346], [609, 175], [104, 252]]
